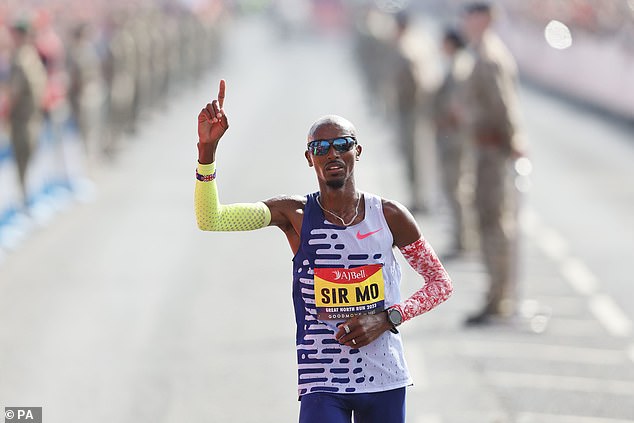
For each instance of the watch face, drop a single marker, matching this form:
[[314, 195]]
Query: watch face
[[395, 317]]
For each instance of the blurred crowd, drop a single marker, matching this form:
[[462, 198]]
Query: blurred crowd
[[599, 17], [89, 72], [398, 69], [76, 73], [455, 110]]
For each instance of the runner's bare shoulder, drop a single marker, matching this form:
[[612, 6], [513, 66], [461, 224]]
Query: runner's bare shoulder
[[287, 205]]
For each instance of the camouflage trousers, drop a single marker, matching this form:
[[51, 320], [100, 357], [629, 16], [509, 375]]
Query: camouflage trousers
[[451, 146], [24, 135], [496, 206]]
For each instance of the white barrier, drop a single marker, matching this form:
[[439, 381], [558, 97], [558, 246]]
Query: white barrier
[[594, 70], [9, 186], [55, 176], [10, 195]]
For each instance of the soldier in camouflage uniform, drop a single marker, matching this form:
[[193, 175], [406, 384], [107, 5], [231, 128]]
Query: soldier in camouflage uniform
[[27, 82], [493, 114], [451, 140]]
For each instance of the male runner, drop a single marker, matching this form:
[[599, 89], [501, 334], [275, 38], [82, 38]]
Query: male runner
[[346, 281]]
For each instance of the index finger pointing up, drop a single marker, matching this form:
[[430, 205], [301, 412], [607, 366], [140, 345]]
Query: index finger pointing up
[[221, 93]]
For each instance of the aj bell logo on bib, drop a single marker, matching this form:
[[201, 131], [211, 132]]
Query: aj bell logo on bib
[[343, 293]]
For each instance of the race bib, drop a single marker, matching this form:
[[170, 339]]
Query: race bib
[[343, 293]]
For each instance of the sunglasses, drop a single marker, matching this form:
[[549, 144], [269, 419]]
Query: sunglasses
[[341, 145]]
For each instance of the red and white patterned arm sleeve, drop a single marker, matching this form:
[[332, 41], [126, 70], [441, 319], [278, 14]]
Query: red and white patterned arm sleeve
[[437, 288]]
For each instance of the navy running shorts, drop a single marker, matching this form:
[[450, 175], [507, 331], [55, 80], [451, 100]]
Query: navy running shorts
[[375, 407]]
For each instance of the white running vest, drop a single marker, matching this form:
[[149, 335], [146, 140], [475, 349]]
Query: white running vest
[[337, 272]]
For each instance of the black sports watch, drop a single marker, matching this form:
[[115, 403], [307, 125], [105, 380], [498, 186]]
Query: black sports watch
[[395, 318]]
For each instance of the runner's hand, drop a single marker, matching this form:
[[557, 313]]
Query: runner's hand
[[363, 329], [212, 121]]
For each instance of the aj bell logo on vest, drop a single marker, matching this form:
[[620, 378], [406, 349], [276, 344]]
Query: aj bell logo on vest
[[22, 414], [349, 275]]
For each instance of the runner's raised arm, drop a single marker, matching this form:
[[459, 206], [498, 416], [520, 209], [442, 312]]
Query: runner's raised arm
[[210, 214]]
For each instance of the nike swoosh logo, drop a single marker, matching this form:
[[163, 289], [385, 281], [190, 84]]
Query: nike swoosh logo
[[364, 236]]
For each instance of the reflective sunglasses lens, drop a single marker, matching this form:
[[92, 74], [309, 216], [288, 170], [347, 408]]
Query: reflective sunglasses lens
[[318, 148], [343, 144], [312, 147], [321, 148]]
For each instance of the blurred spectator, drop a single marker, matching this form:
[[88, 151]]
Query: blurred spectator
[[405, 84], [449, 122], [372, 52], [27, 85], [140, 29], [51, 48], [6, 46], [100, 64], [493, 114], [86, 88], [395, 60], [159, 59], [120, 69]]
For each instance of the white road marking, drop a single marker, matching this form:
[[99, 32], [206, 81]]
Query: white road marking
[[551, 243], [610, 315], [630, 352], [545, 352], [575, 328], [560, 418], [578, 275], [562, 383], [429, 418]]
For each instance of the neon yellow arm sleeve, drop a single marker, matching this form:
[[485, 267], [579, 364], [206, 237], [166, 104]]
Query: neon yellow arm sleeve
[[213, 216]]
